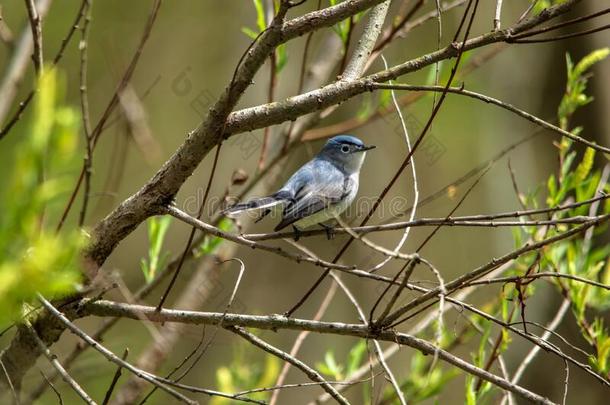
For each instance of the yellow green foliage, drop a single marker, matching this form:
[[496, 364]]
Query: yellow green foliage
[[33, 258]]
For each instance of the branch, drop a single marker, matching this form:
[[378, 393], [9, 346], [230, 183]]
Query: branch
[[472, 275], [108, 354], [274, 322], [252, 118], [57, 365], [497, 15], [451, 221], [310, 372], [357, 63], [162, 188], [424, 323], [490, 100], [8, 89], [210, 229], [513, 279], [36, 27], [17, 66]]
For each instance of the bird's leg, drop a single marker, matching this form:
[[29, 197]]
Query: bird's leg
[[330, 231], [297, 233]]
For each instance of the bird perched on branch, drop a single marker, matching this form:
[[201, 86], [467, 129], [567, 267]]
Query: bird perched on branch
[[319, 191]]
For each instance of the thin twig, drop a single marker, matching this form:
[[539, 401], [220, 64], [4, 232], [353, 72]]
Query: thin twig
[[50, 384], [532, 276], [499, 103], [309, 372], [115, 379], [109, 355], [415, 330], [557, 26], [560, 37], [57, 365], [405, 234], [114, 101], [467, 221], [409, 267], [301, 339], [10, 383], [36, 27], [472, 275], [178, 214], [189, 242], [15, 70], [455, 208], [84, 102]]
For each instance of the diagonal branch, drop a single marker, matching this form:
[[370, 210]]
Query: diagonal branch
[[167, 181], [18, 63], [472, 275], [310, 372], [252, 118]]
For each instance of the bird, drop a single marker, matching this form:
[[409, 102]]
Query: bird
[[320, 190]]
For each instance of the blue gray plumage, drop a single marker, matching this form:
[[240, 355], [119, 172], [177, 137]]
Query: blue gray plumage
[[320, 190]]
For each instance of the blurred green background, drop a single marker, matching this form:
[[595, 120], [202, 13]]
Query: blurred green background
[[189, 59]]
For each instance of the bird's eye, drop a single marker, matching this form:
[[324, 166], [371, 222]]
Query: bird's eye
[[345, 149]]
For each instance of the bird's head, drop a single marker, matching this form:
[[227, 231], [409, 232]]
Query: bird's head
[[346, 151]]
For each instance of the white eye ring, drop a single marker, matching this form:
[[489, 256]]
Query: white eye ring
[[345, 149]]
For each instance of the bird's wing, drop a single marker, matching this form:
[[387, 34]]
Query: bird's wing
[[321, 185]]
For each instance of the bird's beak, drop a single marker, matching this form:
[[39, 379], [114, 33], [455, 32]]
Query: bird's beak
[[365, 148]]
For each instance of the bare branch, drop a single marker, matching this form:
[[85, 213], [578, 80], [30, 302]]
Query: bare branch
[[17, 66], [468, 221], [109, 355], [168, 180], [497, 15], [57, 365], [176, 213], [309, 372], [36, 27], [273, 322], [490, 100], [115, 379], [14, 74], [357, 63], [252, 118], [472, 275]]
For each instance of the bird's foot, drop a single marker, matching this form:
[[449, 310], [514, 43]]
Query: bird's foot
[[330, 231], [297, 233]]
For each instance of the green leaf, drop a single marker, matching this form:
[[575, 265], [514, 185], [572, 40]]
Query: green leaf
[[211, 243], [249, 32], [281, 57], [260, 15], [355, 356], [157, 228], [34, 259], [330, 366], [589, 60], [584, 168], [576, 85]]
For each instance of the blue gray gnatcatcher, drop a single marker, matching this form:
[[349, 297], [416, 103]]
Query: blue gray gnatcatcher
[[320, 190]]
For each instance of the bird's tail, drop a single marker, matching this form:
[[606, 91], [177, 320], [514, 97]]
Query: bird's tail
[[262, 203]]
